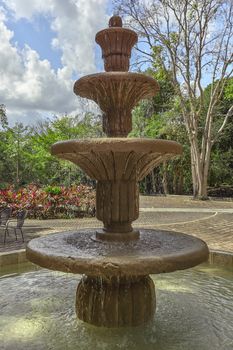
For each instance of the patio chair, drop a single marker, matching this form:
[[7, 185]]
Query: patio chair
[[5, 216], [16, 224]]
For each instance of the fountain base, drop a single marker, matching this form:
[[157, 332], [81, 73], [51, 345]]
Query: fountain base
[[116, 301], [116, 290], [103, 235]]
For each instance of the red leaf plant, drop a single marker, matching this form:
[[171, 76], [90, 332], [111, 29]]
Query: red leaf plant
[[50, 202]]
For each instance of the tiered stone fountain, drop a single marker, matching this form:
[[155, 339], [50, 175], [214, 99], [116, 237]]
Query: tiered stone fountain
[[116, 261]]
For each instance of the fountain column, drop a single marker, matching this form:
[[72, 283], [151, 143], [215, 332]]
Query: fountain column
[[117, 92], [115, 301], [117, 206]]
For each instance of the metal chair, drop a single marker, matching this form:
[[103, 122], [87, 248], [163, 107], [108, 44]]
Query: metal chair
[[4, 217], [16, 224]]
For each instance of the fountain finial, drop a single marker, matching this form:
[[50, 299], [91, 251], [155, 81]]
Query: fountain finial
[[116, 43], [115, 21]]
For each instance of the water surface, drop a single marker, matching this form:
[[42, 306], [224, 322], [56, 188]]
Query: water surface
[[194, 311]]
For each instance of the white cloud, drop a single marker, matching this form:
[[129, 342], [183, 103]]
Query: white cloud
[[29, 117], [30, 85], [75, 23], [27, 8]]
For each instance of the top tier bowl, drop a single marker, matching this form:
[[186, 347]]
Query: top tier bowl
[[116, 93]]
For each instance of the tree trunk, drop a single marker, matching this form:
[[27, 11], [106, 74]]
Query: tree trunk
[[196, 168], [205, 170], [200, 169], [180, 182], [164, 180], [153, 181], [174, 182]]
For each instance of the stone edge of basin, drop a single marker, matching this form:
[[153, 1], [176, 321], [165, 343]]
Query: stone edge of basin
[[17, 257], [117, 145], [39, 252], [105, 77]]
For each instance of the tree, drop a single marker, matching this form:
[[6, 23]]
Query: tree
[[160, 117], [25, 151], [14, 153], [221, 167], [194, 40], [3, 116], [49, 169]]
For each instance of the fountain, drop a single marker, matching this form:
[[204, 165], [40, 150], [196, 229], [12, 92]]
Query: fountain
[[116, 261]]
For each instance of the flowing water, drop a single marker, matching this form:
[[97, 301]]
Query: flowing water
[[194, 311]]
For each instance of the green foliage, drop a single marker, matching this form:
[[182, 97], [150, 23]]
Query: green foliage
[[161, 118], [4, 185], [221, 165], [54, 190], [3, 116], [228, 92], [25, 151]]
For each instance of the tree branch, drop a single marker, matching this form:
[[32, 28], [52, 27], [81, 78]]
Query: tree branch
[[228, 115]]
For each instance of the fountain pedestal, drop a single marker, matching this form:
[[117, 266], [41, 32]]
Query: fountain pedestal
[[115, 302]]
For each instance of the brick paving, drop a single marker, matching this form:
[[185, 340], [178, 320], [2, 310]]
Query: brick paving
[[213, 225], [215, 230], [183, 202]]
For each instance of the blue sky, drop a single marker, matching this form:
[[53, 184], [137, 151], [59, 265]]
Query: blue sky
[[38, 35], [44, 46]]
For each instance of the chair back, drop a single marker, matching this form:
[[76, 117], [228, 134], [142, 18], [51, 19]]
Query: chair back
[[5, 216], [21, 216]]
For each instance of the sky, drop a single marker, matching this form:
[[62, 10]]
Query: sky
[[45, 45]]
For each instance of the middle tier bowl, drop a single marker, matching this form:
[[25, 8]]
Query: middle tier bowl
[[115, 159], [118, 164]]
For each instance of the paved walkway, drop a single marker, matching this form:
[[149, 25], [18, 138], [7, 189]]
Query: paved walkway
[[211, 221]]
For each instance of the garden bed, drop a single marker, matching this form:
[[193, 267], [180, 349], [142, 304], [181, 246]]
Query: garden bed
[[50, 202]]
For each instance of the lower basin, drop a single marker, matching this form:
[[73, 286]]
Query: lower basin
[[117, 290], [155, 251], [194, 311]]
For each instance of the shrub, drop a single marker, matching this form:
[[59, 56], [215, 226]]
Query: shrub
[[223, 191], [4, 185], [53, 190], [51, 202]]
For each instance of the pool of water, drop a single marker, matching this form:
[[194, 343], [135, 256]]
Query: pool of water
[[194, 311]]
